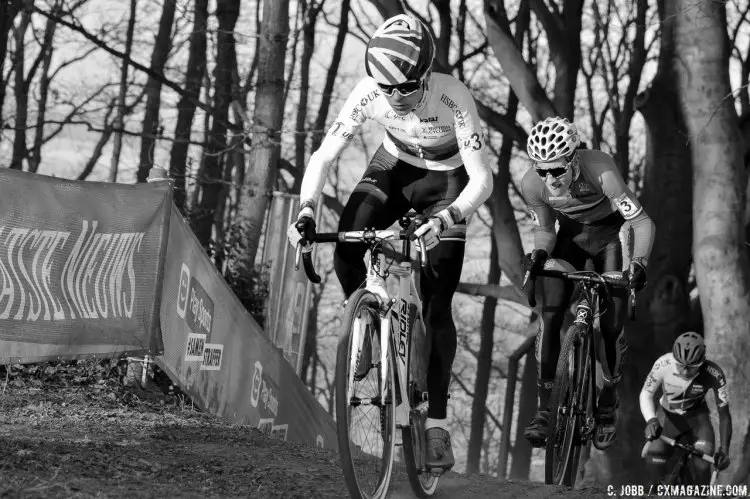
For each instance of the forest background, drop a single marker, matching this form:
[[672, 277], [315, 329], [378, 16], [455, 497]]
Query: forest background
[[233, 96]]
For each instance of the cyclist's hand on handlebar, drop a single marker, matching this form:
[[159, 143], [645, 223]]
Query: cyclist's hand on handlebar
[[636, 274], [653, 429], [430, 230], [534, 261], [303, 230], [721, 460]]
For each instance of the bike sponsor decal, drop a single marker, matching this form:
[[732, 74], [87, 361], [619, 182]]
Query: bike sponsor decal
[[96, 281], [264, 393], [628, 207], [403, 328], [194, 348], [212, 354]]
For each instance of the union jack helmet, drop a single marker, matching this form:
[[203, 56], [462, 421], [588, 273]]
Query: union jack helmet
[[689, 349], [400, 50]]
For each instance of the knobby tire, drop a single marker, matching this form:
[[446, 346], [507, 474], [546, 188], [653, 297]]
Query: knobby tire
[[363, 302]]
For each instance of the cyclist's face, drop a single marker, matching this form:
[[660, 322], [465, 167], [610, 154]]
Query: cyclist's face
[[550, 172], [405, 104], [687, 371]]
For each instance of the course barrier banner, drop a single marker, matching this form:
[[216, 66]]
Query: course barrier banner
[[219, 356], [80, 267]]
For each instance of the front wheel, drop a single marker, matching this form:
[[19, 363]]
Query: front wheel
[[365, 406], [569, 393]]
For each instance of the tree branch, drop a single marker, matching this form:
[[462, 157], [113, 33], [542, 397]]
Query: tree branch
[[471, 394], [101, 44]]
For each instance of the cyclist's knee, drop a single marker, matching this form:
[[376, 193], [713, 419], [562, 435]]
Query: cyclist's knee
[[704, 446], [656, 452]]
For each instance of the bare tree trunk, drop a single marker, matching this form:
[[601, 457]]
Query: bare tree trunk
[[202, 218], [484, 367], [20, 92], [196, 67], [162, 47], [520, 463], [308, 41], [719, 181], [114, 164], [35, 155], [269, 114], [333, 69], [8, 12]]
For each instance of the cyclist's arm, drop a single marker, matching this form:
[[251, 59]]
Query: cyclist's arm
[[627, 204], [471, 146], [650, 385], [532, 189], [721, 393], [351, 117]]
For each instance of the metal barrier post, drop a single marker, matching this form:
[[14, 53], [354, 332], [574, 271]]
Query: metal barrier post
[[510, 396]]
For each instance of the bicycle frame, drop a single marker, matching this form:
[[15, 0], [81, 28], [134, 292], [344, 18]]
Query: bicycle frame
[[407, 296], [684, 464]]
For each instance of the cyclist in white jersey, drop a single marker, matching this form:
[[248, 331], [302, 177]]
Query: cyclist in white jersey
[[433, 159], [685, 377]]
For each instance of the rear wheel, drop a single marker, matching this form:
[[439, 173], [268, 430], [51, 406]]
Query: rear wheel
[[568, 407], [365, 408]]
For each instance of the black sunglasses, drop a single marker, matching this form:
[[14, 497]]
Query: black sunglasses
[[405, 89], [555, 172]]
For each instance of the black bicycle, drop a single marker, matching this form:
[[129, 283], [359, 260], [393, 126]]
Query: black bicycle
[[573, 400], [682, 472]]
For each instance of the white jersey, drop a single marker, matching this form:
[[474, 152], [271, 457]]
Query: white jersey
[[442, 133], [682, 395]]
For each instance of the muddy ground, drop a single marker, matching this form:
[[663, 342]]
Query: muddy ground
[[74, 430]]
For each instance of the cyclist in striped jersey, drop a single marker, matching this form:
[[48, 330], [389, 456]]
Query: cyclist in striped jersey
[[433, 159], [592, 201]]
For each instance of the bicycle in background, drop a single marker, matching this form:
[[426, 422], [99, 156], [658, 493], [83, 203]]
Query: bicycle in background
[[573, 401], [381, 369], [682, 471]]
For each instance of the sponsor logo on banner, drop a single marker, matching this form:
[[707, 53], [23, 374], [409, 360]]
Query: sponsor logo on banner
[[294, 313], [48, 275], [212, 357], [195, 344], [277, 432], [200, 311], [183, 290], [264, 392], [197, 308]]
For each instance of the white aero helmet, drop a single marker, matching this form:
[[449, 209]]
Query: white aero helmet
[[689, 349], [552, 139]]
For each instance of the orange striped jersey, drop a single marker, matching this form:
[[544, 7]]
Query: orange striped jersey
[[597, 190]]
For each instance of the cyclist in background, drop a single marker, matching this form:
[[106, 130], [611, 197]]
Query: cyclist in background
[[433, 159], [685, 377], [592, 200]]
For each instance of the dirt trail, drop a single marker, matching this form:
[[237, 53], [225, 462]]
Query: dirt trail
[[89, 438]]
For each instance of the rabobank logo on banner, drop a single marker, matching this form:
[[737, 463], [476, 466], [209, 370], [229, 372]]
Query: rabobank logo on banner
[[197, 308]]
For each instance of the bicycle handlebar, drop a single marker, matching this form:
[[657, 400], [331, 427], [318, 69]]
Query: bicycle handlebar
[[585, 276], [368, 236], [688, 448]]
